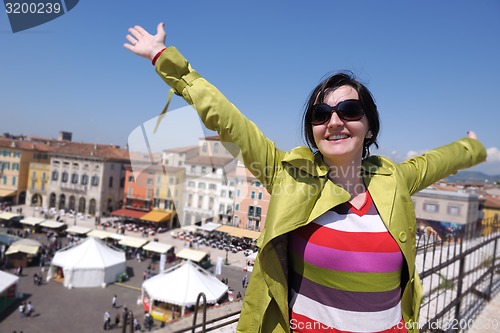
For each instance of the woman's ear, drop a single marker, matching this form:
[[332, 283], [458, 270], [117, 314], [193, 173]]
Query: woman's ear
[[369, 135]]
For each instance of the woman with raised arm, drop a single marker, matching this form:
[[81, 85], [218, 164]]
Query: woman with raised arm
[[337, 253]]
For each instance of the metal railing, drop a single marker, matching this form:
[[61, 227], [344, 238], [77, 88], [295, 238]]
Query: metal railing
[[459, 273]]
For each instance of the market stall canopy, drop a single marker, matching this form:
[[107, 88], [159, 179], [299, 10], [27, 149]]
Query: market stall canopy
[[123, 212], [157, 247], [239, 232], [8, 215], [78, 230], [33, 221], [181, 285], [52, 224], [89, 263], [192, 255], [133, 241], [25, 245], [156, 216], [101, 234], [7, 280]]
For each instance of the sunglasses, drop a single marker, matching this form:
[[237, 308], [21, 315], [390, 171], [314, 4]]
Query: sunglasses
[[348, 110]]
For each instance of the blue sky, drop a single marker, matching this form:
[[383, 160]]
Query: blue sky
[[432, 66]]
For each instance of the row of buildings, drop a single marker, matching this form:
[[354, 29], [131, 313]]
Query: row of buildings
[[184, 186], [181, 187]]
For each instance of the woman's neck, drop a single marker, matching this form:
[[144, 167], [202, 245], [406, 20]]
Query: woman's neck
[[348, 176]]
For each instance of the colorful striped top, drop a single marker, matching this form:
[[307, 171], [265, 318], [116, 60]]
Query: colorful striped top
[[345, 273]]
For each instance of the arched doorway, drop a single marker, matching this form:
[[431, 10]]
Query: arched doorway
[[92, 207], [81, 205], [36, 200], [62, 202], [72, 203], [52, 200]]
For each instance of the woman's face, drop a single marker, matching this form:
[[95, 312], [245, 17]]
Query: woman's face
[[341, 141]]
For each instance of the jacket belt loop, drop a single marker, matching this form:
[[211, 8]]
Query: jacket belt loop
[[186, 80]]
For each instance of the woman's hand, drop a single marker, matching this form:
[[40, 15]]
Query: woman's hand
[[471, 135], [143, 43]]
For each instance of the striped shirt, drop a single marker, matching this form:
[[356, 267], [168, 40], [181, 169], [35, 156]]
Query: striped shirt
[[345, 273]]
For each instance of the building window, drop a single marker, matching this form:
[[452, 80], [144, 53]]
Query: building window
[[201, 185], [85, 179], [251, 210], [130, 191], [212, 187], [193, 169], [204, 147], [74, 178], [203, 170], [110, 182], [15, 166], [14, 181], [431, 207], [191, 184], [55, 175], [131, 179], [237, 207], [64, 177], [216, 147], [252, 195], [190, 200], [454, 210], [150, 181], [260, 195], [95, 181], [200, 201]]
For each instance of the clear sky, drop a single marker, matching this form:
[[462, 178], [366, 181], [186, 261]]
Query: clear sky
[[432, 66]]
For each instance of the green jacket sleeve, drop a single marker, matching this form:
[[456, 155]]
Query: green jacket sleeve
[[237, 133], [424, 170]]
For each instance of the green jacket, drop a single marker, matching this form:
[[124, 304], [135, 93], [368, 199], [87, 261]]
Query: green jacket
[[300, 192]]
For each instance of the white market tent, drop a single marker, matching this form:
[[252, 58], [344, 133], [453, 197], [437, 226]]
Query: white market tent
[[180, 285], [157, 247], [90, 263]]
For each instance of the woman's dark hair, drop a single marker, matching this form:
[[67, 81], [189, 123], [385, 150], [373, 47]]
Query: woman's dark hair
[[331, 83]]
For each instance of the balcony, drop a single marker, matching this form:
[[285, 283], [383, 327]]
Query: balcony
[[77, 188]]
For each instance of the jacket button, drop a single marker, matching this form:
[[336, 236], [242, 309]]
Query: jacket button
[[402, 236]]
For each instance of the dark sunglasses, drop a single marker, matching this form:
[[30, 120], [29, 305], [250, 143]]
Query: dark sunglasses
[[348, 110]]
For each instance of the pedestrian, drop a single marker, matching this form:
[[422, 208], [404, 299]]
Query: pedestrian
[[113, 301], [22, 309], [137, 326], [117, 319], [29, 309], [334, 207], [244, 281], [107, 320]]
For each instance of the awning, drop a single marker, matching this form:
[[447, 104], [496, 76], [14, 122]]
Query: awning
[[239, 232], [78, 230], [8, 216], [101, 234], [193, 255], [51, 224], [7, 280], [32, 220], [25, 245], [133, 242], [135, 214], [156, 216], [157, 247], [7, 193], [209, 226]]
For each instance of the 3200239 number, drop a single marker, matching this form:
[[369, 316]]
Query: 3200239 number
[[33, 8]]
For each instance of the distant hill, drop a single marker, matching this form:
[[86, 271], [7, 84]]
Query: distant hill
[[472, 176]]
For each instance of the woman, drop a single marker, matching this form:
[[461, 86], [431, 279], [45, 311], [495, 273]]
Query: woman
[[338, 249]]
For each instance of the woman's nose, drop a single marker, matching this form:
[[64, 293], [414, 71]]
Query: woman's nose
[[335, 120]]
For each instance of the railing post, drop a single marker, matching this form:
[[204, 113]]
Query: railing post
[[490, 288], [204, 312], [460, 280]]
